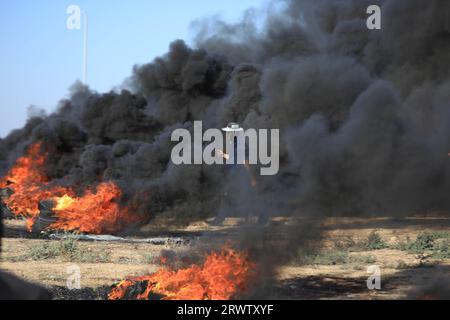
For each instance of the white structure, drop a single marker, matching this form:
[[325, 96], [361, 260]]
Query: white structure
[[231, 133]]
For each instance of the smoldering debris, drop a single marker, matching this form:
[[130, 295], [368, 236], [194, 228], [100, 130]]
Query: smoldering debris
[[437, 288]]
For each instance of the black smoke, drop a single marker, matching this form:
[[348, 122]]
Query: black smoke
[[364, 115]]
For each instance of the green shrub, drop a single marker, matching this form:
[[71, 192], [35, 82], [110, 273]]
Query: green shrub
[[345, 244], [44, 251], [424, 241], [442, 250], [324, 257], [67, 248], [375, 242], [436, 242], [364, 259]]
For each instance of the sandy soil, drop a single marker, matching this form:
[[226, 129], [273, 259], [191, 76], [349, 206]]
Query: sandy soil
[[401, 271]]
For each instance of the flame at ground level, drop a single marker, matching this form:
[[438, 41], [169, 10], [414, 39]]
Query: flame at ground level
[[222, 276], [29, 184], [94, 212]]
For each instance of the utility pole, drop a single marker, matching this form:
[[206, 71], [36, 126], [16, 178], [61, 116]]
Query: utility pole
[[74, 23], [85, 46]]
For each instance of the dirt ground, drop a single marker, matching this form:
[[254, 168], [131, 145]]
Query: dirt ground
[[325, 277]]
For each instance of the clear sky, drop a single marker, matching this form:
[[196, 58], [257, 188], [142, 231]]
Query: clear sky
[[41, 58]]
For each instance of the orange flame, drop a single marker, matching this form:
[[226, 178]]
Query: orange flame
[[222, 276], [29, 184], [94, 212]]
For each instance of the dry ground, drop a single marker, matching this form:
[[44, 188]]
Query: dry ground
[[338, 271]]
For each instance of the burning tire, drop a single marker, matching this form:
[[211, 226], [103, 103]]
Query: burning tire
[[46, 216], [4, 210]]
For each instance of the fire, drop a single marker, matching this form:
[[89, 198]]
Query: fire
[[223, 275], [28, 168], [95, 212], [64, 202], [28, 181], [220, 153]]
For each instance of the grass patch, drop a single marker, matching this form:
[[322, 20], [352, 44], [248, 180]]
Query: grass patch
[[68, 248], [340, 253], [423, 242], [148, 258], [437, 243], [363, 259], [373, 242], [46, 250], [326, 257], [440, 234], [330, 257], [346, 244], [442, 250]]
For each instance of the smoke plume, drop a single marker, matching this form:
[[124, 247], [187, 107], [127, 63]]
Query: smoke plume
[[364, 115]]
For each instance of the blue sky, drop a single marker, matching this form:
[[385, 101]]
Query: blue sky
[[41, 58]]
